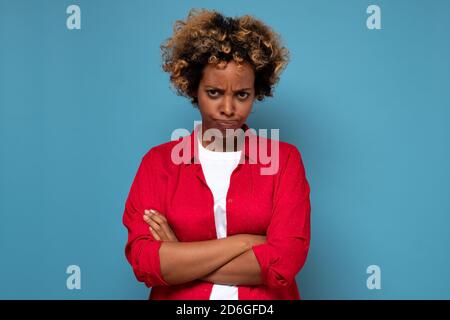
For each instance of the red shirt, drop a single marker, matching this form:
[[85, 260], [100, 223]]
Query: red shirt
[[276, 205]]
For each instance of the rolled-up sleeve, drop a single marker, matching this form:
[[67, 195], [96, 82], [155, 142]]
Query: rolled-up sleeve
[[288, 235], [142, 250]]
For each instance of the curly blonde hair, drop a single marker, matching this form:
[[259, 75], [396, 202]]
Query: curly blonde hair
[[207, 36]]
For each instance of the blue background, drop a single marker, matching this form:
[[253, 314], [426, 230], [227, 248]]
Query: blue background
[[368, 109]]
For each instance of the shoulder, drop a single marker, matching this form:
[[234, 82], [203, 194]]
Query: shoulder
[[286, 151], [288, 148], [274, 156], [160, 154], [291, 151], [290, 161]]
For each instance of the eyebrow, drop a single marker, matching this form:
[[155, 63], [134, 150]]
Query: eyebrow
[[221, 90]]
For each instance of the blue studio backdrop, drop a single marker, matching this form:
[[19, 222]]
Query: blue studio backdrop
[[365, 99]]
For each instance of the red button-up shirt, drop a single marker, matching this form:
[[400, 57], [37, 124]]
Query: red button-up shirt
[[275, 205]]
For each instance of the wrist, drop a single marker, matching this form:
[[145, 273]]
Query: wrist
[[243, 241]]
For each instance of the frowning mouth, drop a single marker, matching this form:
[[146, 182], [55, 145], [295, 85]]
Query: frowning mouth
[[227, 124]]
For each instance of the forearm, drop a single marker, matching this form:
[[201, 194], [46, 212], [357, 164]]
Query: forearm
[[186, 261], [242, 270]]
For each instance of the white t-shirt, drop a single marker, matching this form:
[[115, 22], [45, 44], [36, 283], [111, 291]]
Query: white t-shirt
[[217, 168]]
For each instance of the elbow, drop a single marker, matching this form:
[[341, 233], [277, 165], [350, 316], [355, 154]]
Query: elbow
[[277, 279], [143, 256], [149, 277], [282, 269]]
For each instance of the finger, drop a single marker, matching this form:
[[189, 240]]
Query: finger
[[162, 221], [159, 214], [147, 219], [148, 211], [153, 213], [164, 226], [155, 226], [159, 229], [157, 218], [154, 234], [173, 237]]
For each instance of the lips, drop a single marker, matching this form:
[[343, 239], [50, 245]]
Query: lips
[[227, 124]]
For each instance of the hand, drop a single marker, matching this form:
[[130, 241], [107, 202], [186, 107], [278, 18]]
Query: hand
[[158, 226], [257, 239], [254, 239], [250, 240]]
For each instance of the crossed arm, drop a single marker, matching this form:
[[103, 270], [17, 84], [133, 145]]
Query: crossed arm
[[223, 261]]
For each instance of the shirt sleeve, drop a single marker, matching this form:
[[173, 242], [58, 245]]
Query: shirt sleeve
[[142, 250], [288, 235]]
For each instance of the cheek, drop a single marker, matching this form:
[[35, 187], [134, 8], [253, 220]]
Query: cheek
[[206, 103], [246, 106]]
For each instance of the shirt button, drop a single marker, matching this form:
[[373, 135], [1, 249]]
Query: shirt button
[[230, 200]]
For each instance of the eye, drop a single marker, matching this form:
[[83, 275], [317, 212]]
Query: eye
[[212, 93], [243, 95]]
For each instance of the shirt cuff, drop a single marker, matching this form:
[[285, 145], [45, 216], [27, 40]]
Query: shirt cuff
[[266, 259], [151, 264]]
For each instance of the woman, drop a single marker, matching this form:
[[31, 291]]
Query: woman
[[216, 225]]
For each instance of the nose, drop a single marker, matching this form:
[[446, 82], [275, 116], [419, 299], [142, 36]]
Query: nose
[[227, 107]]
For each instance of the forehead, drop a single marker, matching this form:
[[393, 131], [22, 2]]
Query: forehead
[[213, 75]]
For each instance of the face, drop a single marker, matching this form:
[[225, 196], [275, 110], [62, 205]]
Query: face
[[225, 96]]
